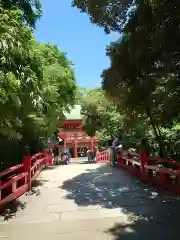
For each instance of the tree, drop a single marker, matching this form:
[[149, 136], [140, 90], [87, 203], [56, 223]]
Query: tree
[[80, 94], [139, 49], [103, 118], [144, 73], [111, 14], [59, 85], [138, 67], [18, 81], [37, 84], [31, 9], [100, 116], [15, 65]]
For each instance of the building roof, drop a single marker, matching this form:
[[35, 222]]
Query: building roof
[[74, 114], [79, 136]]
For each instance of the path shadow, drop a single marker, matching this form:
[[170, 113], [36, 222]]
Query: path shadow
[[10, 210], [51, 167], [86, 162], [83, 160], [36, 187], [150, 213]]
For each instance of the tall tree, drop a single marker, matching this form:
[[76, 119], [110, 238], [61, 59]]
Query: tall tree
[[100, 115], [144, 74], [109, 14], [31, 9], [37, 84]]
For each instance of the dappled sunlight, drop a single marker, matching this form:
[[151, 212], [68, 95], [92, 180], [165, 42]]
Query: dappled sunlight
[[140, 205], [11, 210], [20, 205]]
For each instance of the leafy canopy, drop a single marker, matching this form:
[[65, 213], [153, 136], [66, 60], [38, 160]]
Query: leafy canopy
[[100, 115], [37, 84], [143, 78], [31, 9]]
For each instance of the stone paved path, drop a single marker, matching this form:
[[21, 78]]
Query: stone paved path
[[86, 201]]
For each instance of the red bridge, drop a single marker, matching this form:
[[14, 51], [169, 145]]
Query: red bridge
[[82, 201]]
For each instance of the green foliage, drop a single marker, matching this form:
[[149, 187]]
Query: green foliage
[[109, 14], [80, 94], [37, 85], [143, 78], [31, 9], [100, 116]]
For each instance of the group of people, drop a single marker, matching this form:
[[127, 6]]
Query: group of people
[[61, 155], [116, 149]]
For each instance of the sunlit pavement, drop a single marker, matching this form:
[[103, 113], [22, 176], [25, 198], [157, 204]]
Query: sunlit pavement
[[86, 201]]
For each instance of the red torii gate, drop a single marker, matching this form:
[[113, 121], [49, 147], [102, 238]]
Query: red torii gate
[[74, 137]]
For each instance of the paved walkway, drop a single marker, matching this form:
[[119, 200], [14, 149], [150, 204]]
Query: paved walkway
[[91, 201]]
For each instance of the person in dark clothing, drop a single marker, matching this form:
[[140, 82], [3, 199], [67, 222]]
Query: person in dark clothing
[[115, 144], [56, 154]]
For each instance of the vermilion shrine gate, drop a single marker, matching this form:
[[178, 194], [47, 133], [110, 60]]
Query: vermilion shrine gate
[[72, 133]]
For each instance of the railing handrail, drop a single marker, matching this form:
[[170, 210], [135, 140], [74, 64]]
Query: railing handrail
[[143, 168], [30, 168], [34, 157], [162, 176], [163, 160], [11, 169]]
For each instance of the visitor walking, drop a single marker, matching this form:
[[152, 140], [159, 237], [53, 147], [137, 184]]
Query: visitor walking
[[116, 144], [65, 155], [56, 154]]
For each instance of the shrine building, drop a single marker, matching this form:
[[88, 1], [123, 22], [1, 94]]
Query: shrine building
[[73, 135]]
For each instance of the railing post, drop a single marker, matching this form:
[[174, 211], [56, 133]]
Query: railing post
[[48, 158], [27, 165], [162, 180], [0, 190], [97, 156], [143, 162], [14, 186]]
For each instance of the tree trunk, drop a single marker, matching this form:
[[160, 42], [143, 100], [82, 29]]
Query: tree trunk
[[157, 132], [153, 124]]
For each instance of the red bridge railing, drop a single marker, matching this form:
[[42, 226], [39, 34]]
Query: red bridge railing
[[164, 173], [103, 157], [17, 179]]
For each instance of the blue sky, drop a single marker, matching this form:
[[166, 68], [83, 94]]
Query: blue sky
[[72, 31]]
